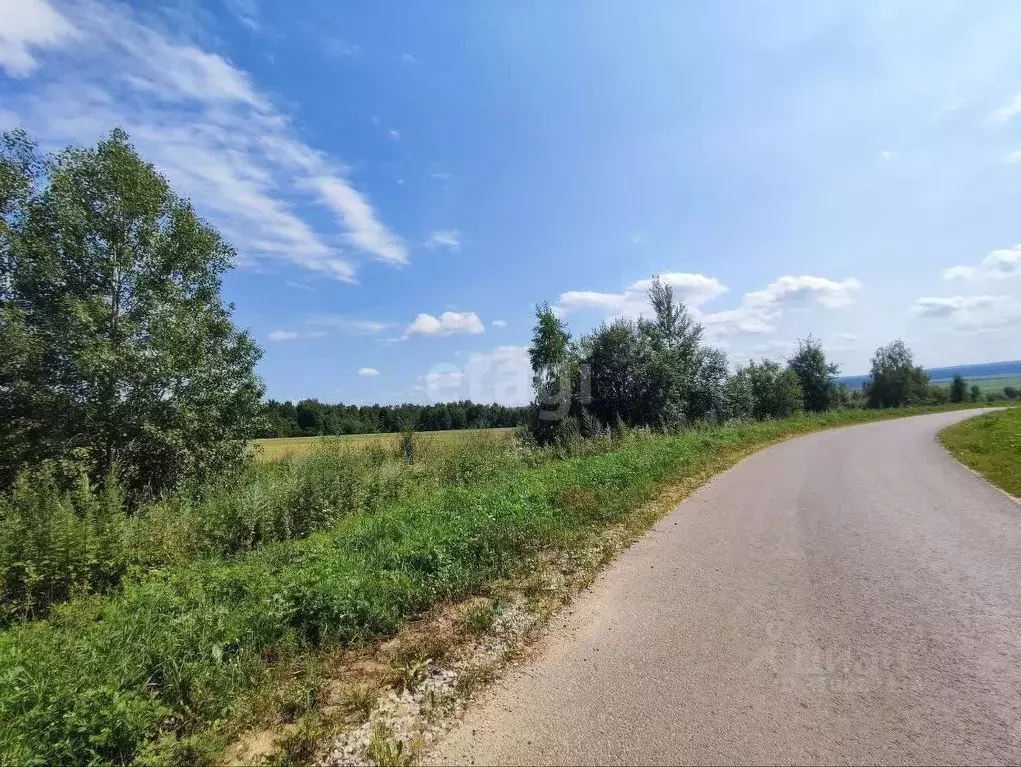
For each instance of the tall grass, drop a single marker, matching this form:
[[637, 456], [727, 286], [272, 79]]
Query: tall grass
[[136, 674], [56, 544]]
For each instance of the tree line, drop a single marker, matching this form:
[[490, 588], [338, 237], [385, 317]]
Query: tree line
[[657, 372], [310, 417]]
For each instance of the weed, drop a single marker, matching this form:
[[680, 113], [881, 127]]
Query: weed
[[360, 702], [387, 751], [473, 679], [480, 620], [408, 676]]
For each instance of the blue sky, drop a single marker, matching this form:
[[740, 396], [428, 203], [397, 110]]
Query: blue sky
[[404, 181]]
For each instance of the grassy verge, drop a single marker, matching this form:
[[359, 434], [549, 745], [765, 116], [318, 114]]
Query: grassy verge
[[991, 445], [147, 673]]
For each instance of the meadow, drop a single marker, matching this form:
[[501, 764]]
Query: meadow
[[275, 448], [316, 553]]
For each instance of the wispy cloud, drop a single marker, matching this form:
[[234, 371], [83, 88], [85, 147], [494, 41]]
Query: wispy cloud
[[499, 323], [446, 324], [294, 335], [450, 238], [200, 119], [368, 372], [1007, 112], [352, 326]]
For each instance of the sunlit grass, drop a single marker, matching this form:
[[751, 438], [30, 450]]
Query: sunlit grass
[[275, 448], [991, 445]]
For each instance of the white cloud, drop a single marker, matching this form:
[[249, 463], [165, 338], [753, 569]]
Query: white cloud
[[450, 238], [886, 154], [407, 58], [574, 300], [365, 230], [368, 372], [446, 324], [29, 24], [352, 326], [198, 118], [959, 273], [805, 291], [441, 175], [246, 12], [299, 286], [294, 335], [499, 323], [693, 289], [1014, 156], [955, 305], [394, 134], [999, 264], [1005, 262], [970, 313], [503, 375], [760, 307], [1007, 112]]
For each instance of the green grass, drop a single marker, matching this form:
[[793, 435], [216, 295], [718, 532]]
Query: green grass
[[275, 448], [153, 672], [991, 445]]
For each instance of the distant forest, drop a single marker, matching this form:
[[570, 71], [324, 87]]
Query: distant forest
[[310, 417]]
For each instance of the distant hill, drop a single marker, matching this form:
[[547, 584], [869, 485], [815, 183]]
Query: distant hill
[[971, 372]]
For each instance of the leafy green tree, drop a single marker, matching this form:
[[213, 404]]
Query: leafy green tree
[[739, 395], [1011, 392], [816, 375], [975, 394], [125, 357], [776, 390], [895, 380], [958, 388]]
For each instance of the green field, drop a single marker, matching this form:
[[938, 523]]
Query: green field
[[992, 384], [991, 445]]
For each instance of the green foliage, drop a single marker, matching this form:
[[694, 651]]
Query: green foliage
[[122, 354], [816, 376], [976, 393], [958, 389], [776, 391], [651, 373], [56, 544], [895, 379]]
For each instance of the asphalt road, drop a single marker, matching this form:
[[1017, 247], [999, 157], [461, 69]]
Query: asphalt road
[[850, 596]]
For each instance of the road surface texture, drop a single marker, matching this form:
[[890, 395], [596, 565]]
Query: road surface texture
[[849, 596]]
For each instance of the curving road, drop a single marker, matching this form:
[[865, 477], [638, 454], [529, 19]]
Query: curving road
[[850, 596]]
